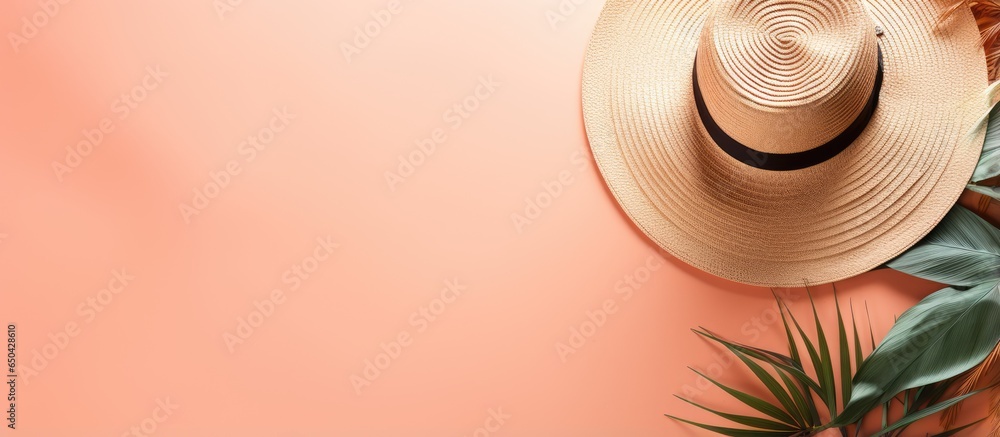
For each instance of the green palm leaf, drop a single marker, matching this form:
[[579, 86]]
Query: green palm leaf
[[751, 421], [858, 354], [825, 371], [793, 352], [793, 349], [922, 355], [823, 389], [793, 367], [733, 432], [805, 408], [752, 401], [773, 386], [963, 250], [769, 356], [845, 354], [871, 331]]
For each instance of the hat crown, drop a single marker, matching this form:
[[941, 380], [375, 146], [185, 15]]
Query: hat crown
[[787, 76]]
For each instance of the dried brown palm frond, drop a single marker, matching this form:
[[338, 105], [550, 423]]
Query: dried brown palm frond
[[987, 13], [994, 414], [976, 378], [950, 10]]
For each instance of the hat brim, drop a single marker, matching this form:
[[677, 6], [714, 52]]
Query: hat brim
[[817, 225]]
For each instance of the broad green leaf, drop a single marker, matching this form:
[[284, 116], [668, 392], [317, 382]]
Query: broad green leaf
[[989, 160], [751, 421], [752, 401], [993, 192], [947, 333], [733, 432], [963, 250]]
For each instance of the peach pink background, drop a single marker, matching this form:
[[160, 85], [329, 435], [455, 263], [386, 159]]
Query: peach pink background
[[62, 234]]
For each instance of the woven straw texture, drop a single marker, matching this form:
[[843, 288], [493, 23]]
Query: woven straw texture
[[784, 76]]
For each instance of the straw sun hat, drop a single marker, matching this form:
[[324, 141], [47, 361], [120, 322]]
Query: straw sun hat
[[785, 142]]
